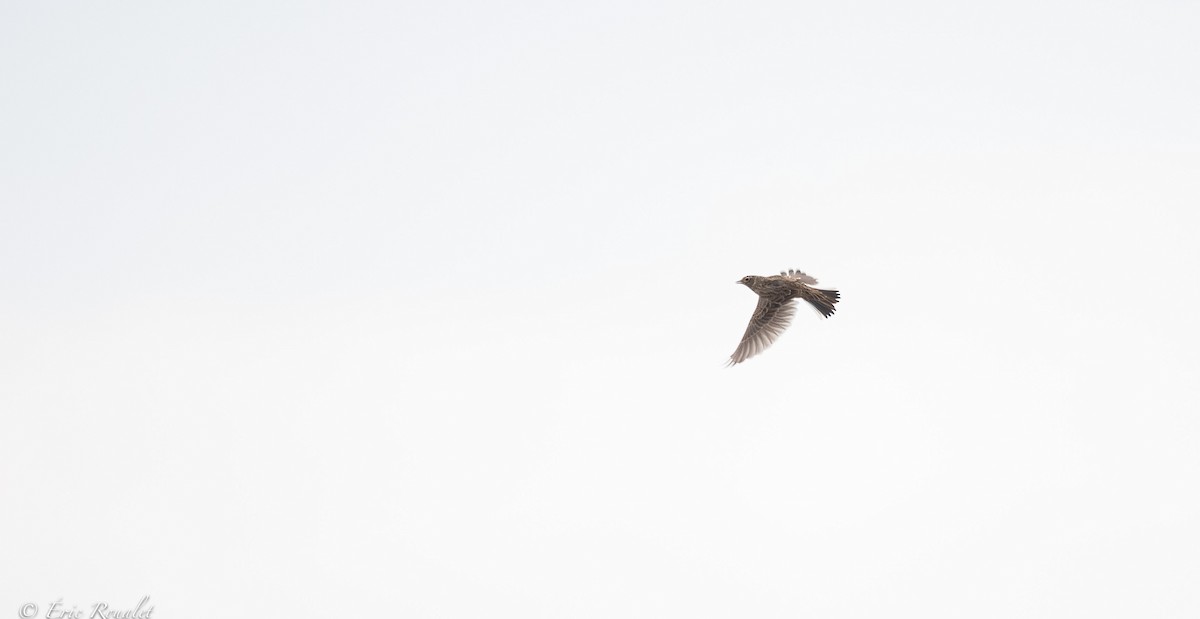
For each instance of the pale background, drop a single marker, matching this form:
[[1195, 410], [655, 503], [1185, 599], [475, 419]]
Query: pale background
[[420, 309]]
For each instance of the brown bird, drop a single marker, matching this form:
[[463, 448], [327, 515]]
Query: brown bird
[[777, 296]]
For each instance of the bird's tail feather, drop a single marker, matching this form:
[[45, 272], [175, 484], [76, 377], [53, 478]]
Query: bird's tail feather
[[823, 300]]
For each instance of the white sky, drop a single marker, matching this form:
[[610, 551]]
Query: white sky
[[421, 309]]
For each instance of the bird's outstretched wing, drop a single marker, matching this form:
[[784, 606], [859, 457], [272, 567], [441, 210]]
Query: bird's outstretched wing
[[799, 276], [770, 319]]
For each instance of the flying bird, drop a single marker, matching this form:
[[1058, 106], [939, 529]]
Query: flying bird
[[777, 296]]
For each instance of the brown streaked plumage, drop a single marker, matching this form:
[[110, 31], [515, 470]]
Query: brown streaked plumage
[[777, 296]]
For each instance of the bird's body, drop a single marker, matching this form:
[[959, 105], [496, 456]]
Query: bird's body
[[777, 296]]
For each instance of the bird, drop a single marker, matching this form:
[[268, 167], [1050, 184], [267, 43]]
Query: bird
[[777, 296]]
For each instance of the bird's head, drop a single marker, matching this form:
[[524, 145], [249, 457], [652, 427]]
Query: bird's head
[[747, 281]]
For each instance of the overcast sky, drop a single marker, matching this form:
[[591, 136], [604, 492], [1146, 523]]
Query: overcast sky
[[421, 309]]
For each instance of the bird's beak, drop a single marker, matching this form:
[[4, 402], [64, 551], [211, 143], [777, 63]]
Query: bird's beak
[[738, 281]]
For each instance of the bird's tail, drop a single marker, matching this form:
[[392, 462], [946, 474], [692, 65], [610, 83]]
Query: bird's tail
[[823, 300]]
